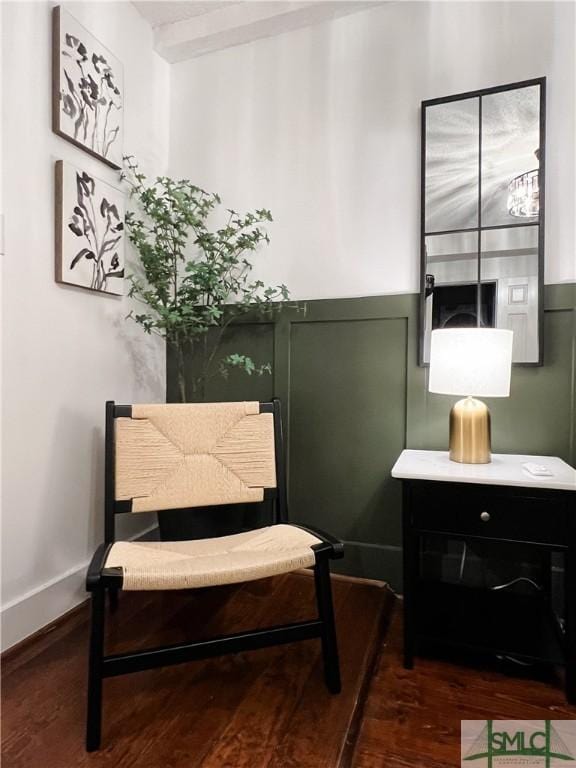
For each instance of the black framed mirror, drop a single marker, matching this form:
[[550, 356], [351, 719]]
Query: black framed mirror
[[482, 214]]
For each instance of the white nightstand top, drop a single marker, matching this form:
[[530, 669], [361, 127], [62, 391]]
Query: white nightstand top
[[504, 469]]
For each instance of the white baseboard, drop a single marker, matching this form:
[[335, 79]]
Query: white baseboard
[[27, 614]]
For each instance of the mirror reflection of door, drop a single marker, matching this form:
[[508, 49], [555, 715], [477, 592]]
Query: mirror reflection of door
[[482, 214]]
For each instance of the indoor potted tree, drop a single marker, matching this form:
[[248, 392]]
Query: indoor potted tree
[[194, 280]]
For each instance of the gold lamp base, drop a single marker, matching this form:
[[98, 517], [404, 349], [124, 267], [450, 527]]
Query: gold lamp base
[[470, 432]]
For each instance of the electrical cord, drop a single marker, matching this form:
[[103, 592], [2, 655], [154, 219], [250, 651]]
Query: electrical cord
[[516, 581], [511, 583], [514, 660], [506, 584], [495, 588], [463, 560]]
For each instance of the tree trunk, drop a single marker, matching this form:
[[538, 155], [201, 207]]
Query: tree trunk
[[181, 371]]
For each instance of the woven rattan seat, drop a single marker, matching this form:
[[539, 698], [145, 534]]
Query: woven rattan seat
[[208, 562]]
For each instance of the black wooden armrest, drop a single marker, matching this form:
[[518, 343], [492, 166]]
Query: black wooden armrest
[[334, 547], [96, 567]]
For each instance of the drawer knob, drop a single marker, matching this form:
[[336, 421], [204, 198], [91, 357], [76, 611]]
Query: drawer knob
[[484, 516]]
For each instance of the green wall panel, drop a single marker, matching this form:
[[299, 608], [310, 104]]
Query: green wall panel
[[347, 397], [253, 339], [354, 397], [257, 341]]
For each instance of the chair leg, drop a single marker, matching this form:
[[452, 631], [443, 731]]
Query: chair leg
[[326, 614], [113, 598], [94, 715]]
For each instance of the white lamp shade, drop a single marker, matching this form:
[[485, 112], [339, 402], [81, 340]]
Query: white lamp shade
[[471, 361]]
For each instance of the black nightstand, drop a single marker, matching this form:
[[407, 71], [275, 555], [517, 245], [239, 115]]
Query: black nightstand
[[497, 502]]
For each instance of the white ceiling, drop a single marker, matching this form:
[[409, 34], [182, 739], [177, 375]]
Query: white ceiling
[[158, 13], [190, 28]]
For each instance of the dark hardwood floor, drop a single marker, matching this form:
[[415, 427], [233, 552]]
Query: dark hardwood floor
[[412, 717], [266, 708]]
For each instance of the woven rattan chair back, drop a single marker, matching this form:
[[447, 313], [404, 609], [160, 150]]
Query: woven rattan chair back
[[201, 454]]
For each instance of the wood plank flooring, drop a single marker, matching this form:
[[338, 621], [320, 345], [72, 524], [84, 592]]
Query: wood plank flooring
[[268, 708], [412, 717]]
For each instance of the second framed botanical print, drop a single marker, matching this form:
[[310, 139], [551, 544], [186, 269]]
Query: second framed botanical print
[[89, 231], [87, 90]]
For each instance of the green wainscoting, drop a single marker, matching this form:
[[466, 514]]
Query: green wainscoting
[[353, 395]]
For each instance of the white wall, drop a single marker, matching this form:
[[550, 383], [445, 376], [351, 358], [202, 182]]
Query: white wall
[[321, 125], [66, 350]]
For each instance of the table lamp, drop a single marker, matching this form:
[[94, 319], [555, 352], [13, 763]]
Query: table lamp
[[470, 361]]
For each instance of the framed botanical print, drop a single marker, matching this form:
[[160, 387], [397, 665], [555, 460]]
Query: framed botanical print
[[87, 90], [89, 231]]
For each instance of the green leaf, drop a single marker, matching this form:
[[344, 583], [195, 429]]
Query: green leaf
[[191, 277]]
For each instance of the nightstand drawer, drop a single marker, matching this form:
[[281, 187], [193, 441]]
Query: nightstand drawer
[[490, 514]]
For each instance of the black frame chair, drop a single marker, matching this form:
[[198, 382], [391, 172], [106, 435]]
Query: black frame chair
[[101, 580]]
